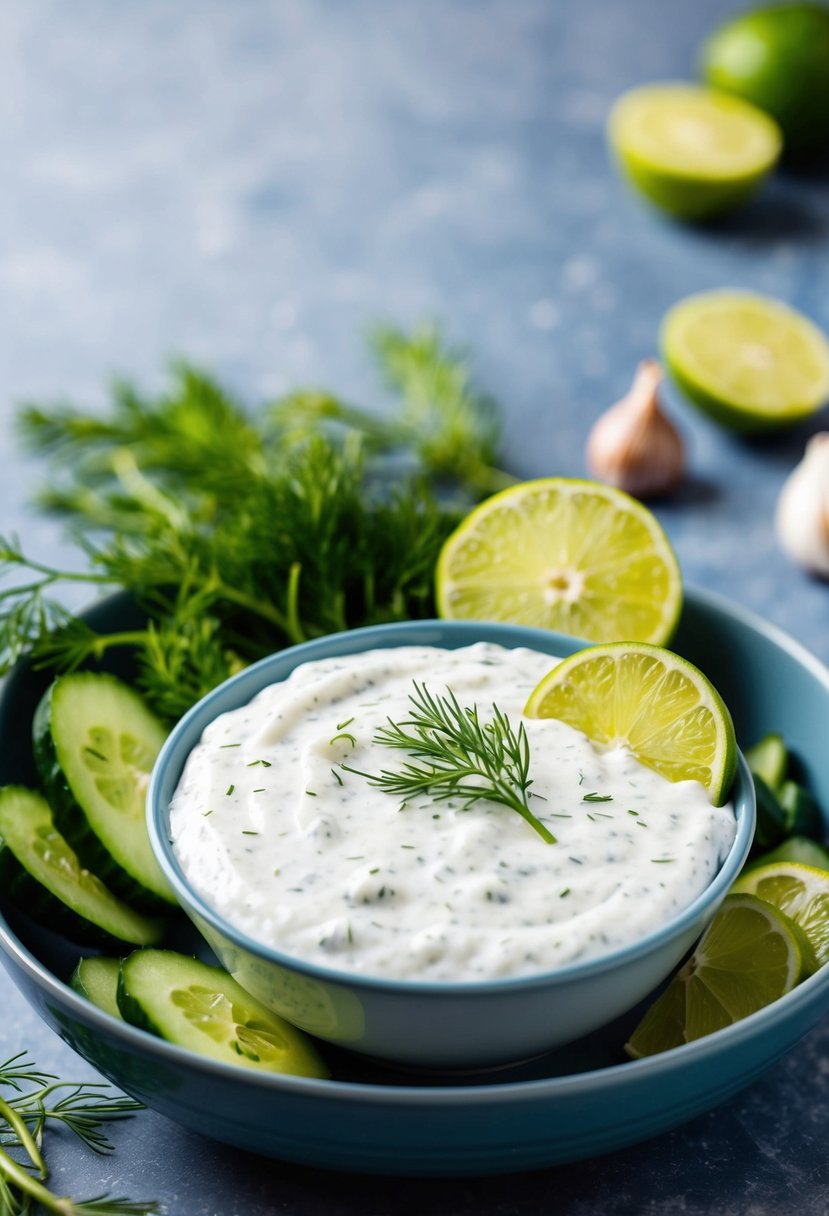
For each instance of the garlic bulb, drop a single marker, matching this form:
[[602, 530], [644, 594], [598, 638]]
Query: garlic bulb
[[802, 518], [634, 445]]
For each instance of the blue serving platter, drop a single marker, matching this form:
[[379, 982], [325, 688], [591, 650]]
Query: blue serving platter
[[584, 1100]]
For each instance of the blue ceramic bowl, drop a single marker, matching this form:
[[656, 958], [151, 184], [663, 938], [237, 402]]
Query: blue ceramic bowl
[[573, 1103], [408, 1021]]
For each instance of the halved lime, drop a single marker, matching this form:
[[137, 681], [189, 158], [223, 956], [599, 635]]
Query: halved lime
[[566, 554], [693, 151], [802, 892], [749, 956], [750, 362], [649, 700]]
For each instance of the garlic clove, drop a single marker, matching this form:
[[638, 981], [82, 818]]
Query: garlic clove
[[634, 445], [802, 516]]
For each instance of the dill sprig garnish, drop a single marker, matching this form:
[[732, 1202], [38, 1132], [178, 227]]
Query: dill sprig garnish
[[464, 758], [38, 1100]]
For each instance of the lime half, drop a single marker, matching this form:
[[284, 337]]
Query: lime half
[[693, 151], [802, 892], [649, 700], [749, 956], [750, 362], [558, 553]]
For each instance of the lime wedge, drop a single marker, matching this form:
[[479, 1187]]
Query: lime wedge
[[749, 956], [693, 151], [559, 553], [750, 362], [649, 700], [802, 892]]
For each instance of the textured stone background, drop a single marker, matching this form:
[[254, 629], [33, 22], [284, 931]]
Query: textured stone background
[[250, 184]]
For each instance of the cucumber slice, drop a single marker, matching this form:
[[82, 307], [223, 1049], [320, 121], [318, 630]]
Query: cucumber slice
[[95, 743], [802, 811], [769, 759], [45, 879], [799, 849], [96, 978], [203, 1009], [771, 818]]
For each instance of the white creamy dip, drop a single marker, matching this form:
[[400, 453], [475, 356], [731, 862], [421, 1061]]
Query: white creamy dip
[[308, 858]]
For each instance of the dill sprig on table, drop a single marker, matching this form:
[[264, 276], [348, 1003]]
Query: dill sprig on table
[[241, 532], [37, 1100], [464, 758]]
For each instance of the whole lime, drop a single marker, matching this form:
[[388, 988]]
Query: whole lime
[[778, 59]]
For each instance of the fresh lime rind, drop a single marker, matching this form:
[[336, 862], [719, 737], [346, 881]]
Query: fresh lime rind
[[566, 554], [750, 955], [694, 152], [658, 705], [751, 363]]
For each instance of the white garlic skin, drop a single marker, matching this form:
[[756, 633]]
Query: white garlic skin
[[802, 517], [634, 446]]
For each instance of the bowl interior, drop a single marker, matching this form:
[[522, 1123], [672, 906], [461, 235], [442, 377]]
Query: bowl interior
[[241, 688]]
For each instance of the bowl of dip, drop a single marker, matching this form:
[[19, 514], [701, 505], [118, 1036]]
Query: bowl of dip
[[430, 932]]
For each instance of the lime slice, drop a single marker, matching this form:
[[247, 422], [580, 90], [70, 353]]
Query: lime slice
[[693, 151], [802, 892], [750, 362], [749, 956], [575, 556], [649, 700], [778, 58]]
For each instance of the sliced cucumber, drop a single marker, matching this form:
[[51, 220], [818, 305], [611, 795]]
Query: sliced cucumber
[[96, 978], [771, 818], [803, 817], [44, 877], [95, 743], [800, 849], [202, 1008], [770, 759]]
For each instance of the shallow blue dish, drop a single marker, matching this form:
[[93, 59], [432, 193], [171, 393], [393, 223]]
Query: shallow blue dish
[[412, 1022], [581, 1101]]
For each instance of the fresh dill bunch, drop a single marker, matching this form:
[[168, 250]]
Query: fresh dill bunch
[[442, 422], [463, 758], [37, 1101], [235, 532]]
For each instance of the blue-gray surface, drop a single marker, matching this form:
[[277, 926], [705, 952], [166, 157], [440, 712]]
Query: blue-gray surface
[[251, 184]]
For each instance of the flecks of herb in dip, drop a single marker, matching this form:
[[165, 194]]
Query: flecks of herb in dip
[[307, 857]]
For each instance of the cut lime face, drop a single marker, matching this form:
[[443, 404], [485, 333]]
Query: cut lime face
[[749, 956], [802, 892], [575, 556], [748, 361], [649, 700], [693, 151]]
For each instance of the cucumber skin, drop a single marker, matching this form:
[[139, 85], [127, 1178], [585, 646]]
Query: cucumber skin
[[132, 1010], [73, 824], [32, 898]]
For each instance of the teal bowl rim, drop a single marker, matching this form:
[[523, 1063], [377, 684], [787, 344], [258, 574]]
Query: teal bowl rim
[[239, 689]]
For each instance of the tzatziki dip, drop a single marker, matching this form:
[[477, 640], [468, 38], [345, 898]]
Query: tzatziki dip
[[308, 857]]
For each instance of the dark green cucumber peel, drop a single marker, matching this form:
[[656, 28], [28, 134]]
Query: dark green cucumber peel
[[45, 879], [203, 1009], [96, 978], [94, 745]]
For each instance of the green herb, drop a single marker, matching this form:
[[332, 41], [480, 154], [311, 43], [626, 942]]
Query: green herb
[[38, 1100], [464, 758], [238, 533], [597, 798]]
